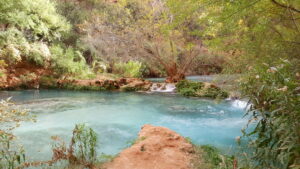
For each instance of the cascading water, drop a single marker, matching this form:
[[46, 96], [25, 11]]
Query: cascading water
[[163, 87]]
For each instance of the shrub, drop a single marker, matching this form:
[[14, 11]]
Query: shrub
[[274, 92], [10, 156], [188, 92], [67, 61], [39, 54], [84, 143], [16, 48], [100, 67], [188, 88], [198, 89], [11, 54], [28, 78], [189, 84], [38, 19], [48, 82], [130, 69], [82, 148], [31, 22]]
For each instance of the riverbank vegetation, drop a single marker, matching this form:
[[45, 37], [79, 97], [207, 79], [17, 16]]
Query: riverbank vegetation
[[51, 43]]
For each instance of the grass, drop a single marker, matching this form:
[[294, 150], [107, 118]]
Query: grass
[[209, 157]]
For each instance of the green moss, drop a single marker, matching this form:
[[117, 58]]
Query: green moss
[[198, 89], [70, 86], [183, 84], [188, 92], [128, 88]]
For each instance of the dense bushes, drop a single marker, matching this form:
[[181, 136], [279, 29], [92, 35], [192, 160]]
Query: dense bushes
[[67, 61], [275, 94], [200, 89], [37, 19], [130, 69], [29, 31]]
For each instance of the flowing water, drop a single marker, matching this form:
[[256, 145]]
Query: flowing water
[[117, 118]]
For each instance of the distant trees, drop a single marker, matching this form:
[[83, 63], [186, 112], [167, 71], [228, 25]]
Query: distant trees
[[159, 33]]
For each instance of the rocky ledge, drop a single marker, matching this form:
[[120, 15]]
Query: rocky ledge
[[155, 148], [122, 84]]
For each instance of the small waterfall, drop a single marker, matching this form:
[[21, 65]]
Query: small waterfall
[[242, 104], [163, 87]]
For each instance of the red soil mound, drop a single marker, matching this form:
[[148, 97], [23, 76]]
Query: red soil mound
[[156, 148]]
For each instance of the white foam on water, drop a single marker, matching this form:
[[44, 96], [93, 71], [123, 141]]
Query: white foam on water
[[241, 104], [163, 87]]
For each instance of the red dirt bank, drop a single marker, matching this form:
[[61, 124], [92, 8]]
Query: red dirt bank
[[156, 148]]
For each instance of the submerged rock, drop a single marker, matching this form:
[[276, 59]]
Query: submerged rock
[[155, 148]]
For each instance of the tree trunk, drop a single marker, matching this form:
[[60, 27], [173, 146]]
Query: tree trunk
[[175, 78], [174, 75]]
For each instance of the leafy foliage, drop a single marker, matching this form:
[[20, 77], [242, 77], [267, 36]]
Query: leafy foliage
[[274, 92], [264, 35], [37, 17], [67, 61], [248, 31], [130, 69], [29, 30], [11, 156], [84, 142]]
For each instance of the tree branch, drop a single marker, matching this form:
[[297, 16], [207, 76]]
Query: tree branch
[[284, 6]]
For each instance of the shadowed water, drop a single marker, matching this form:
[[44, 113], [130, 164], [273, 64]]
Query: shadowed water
[[117, 118]]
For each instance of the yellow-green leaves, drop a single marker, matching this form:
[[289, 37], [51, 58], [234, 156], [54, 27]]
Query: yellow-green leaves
[[37, 16]]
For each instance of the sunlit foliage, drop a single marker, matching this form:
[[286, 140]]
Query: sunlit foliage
[[29, 29]]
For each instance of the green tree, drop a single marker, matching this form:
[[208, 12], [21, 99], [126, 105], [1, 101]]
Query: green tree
[[262, 40], [30, 31]]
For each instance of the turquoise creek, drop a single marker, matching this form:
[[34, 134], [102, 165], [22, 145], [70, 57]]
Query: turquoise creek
[[117, 118]]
